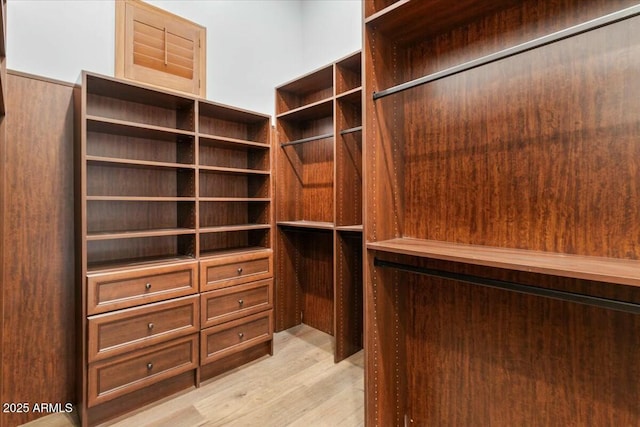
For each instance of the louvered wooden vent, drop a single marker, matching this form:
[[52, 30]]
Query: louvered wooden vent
[[156, 47]]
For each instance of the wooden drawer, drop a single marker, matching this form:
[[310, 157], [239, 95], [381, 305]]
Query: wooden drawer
[[122, 289], [126, 330], [117, 376], [225, 271], [231, 303], [231, 337]]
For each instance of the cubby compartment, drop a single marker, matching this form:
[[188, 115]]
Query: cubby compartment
[[307, 269], [113, 216], [245, 158], [305, 91], [234, 242], [133, 144], [234, 214], [117, 101], [225, 185], [227, 123], [129, 252], [109, 180], [349, 74]]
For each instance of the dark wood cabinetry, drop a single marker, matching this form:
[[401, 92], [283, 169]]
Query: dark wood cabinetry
[[501, 151], [319, 203], [174, 197]]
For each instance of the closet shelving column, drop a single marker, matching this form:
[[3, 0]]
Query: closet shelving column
[[502, 261], [136, 199], [304, 216], [318, 240], [348, 206], [235, 236]]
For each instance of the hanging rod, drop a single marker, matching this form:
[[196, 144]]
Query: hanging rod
[[606, 303], [351, 130], [515, 50], [303, 140]]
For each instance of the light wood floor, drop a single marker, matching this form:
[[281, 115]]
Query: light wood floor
[[299, 386]]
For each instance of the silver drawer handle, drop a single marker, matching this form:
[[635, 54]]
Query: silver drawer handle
[[149, 366], [240, 301], [147, 286], [239, 270], [241, 335], [150, 325]]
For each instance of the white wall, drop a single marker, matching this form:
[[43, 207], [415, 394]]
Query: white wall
[[252, 45], [332, 29]]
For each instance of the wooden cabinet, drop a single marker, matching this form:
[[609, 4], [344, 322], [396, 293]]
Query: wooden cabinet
[[319, 203], [501, 260], [174, 194]]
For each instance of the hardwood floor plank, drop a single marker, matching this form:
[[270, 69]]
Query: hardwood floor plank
[[299, 386]]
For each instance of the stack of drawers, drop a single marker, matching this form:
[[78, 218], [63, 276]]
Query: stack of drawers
[[236, 303], [143, 327]]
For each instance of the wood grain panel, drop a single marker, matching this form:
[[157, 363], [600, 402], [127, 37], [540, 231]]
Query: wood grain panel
[[497, 358], [550, 166], [348, 294], [38, 227], [104, 144]]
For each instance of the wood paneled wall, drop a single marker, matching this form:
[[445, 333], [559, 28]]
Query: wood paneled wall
[[38, 338]]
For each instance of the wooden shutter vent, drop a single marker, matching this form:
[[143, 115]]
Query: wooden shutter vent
[[156, 47]]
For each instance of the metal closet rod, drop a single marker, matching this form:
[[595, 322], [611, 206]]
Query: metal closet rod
[[351, 130], [304, 140], [605, 303], [515, 50]]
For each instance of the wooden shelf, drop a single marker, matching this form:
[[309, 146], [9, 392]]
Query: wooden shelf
[[413, 20], [233, 251], [134, 234], [134, 129], [239, 227], [103, 267], [311, 111], [226, 112], [307, 224], [619, 271], [235, 199], [139, 199], [110, 87], [137, 163], [230, 142], [218, 169], [3, 31], [353, 96], [351, 228]]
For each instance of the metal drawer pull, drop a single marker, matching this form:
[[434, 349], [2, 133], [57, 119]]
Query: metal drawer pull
[[149, 366], [150, 325], [147, 286], [239, 270], [240, 302], [241, 335]]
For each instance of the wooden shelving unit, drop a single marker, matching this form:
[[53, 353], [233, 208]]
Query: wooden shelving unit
[[319, 159], [501, 256], [174, 194]]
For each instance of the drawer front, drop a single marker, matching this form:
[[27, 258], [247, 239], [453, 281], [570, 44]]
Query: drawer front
[[222, 272], [116, 290], [133, 328], [231, 303], [231, 337], [121, 375]]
